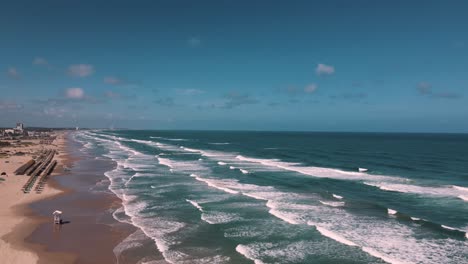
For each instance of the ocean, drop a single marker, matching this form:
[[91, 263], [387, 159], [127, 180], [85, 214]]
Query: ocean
[[288, 197]]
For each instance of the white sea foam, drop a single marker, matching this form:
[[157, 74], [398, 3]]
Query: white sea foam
[[318, 171], [338, 196], [152, 186], [460, 188], [136, 239], [463, 197], [443, 191], [214, 217], [195, 204], [165, 162], [333, 204], [415, 218], [381, 256], [218, 184], [449, 228], [391, 211], [287, 217], [221, 163], [232, 167], [332, 235], [244, 171], [220, 143], [248, 253], [176, 139]]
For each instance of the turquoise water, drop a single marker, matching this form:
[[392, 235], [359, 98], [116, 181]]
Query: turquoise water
[[278, 197]]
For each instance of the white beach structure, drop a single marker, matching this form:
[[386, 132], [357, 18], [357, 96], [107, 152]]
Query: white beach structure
[[57, 217]]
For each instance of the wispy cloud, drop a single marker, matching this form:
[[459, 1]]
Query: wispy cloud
[[194, 41], [81, 70], [13, 73], [9, 105], [447, 95], [167, 102], [190, 91], [55, 111], [117, 81], [323, 69], [311, 88], [350, 96], [112, 95], [297, 91], [236, 99], [74, 93], [40, 61], [425, 89], [113, 80]]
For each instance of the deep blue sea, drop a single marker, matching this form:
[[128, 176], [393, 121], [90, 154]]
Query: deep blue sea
[[289, 197]]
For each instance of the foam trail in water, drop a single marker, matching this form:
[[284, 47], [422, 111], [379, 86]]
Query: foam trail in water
[[332, 235], [318, 171], [221, 163], [333, 204], [244, 171], [214, 183], [195, 204], [338, 196], [444, 191]]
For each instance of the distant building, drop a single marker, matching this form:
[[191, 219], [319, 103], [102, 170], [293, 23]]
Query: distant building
[[9, 131], [19, 127]]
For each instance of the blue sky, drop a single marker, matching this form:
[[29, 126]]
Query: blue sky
[[242, 65]]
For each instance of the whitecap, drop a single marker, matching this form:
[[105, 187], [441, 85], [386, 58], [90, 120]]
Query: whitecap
[[391, 211], [338, 196], [332, 235], [332, 204]]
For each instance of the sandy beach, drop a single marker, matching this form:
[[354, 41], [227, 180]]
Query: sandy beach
[[27, 232], [17, 221]]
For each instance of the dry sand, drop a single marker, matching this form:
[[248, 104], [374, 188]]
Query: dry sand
[[13, 202]]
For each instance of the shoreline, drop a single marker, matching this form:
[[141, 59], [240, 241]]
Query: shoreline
[[88, 214]]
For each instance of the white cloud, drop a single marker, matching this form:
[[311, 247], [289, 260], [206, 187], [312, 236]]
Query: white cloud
[[40, 61], [12, 72], [55, 111], [74, 93], [311, 88], [81, 70], [190, 91], [113, 80], [113, 95], [323, 69], [194, 41], [9, 105]]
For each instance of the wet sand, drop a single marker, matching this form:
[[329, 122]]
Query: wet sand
[[89, 233]]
